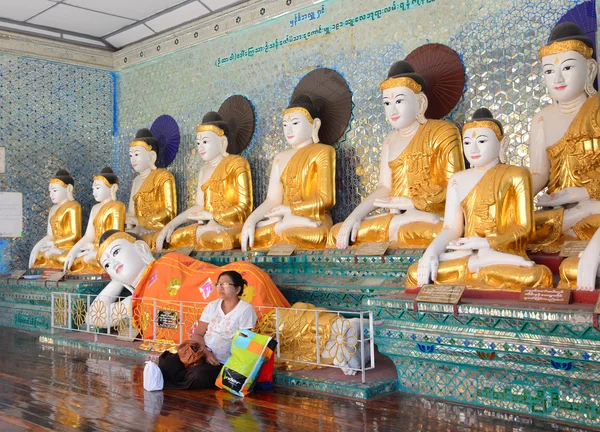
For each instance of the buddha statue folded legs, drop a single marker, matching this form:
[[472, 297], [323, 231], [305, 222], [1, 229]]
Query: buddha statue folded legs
[[417, 159], [223, 197], [488, 221], [64, 225], [565, 143]]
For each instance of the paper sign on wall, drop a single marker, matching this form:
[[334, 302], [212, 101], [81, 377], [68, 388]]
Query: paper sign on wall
[[11, 214], [2, 160]]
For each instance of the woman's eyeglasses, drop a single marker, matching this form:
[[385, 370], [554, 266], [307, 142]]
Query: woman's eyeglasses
[[224, 284]]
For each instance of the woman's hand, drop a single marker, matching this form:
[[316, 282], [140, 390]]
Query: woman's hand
[[211, 358]]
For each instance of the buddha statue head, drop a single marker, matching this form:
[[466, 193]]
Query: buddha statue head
[[212, 137], [404, 98], [483, 139], [61, 187], [569, 68], [105, 185], [143, 151], [301, 122], [123, 256]]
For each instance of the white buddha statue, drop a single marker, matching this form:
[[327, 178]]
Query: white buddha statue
[[223, 196], [417, 159], [64, 225], [564, 145], [153, 199], [107, 214], [487, 223], [301, 188]]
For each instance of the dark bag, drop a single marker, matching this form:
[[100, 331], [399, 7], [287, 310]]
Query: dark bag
[[190, 353]]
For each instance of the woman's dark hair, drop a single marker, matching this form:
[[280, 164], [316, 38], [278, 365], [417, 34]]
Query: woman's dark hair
[[236, 279]]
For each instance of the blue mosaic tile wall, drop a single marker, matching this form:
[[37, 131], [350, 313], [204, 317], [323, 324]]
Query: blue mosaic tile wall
[[498, 41], [52, 116]]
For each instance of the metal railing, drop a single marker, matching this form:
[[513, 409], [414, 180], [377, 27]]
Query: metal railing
[[310, 337]]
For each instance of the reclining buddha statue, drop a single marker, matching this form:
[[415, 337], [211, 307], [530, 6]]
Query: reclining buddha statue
[[179, 283], [417, 159], [487, 223], [107, 214], [64, 225]]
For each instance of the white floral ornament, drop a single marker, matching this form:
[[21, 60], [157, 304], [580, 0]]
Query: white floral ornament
[[341, 346]]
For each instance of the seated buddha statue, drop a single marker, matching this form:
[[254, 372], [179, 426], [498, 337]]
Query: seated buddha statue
[[417, 159], [153, 200], [487, 223], [64, 225], [223, 196], [564, 148], [301, 187], [174, 277], [107, 214]]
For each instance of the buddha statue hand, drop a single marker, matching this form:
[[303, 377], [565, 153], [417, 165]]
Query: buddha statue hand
[[201, 217], [469, 243], [279, 211], [394, 203], [564, 196], [247, 235], [587, 269], [268, 221], [489, 257], [348, 232], [165, 234], [427, 270], [131, 222]]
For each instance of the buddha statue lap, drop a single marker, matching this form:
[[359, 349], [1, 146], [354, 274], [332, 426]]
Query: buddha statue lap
[[153, 200], [301, 187], [223, 196], [564, 147], [64, 225], [488, 221], [106, 215], [417, 159]]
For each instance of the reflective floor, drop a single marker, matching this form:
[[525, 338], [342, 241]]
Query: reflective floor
[[52, 388]]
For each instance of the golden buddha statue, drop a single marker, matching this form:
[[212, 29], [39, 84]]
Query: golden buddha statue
[[301, 187], [564, 147], [417, 159], [223, 196], [153, 200], [106, 215], [64, 225], [487, 223]]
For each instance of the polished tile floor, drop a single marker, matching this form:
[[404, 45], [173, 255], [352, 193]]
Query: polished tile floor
[[51, 388]]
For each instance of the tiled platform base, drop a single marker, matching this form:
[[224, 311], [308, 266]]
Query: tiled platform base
[[532, 359], [25, 304], [335, 279], [381, 380]]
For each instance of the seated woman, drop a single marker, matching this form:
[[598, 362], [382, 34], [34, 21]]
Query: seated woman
[[488, 220], [219, 322]]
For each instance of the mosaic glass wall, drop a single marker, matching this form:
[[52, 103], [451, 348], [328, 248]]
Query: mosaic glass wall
[[52, 116], [497, 40]]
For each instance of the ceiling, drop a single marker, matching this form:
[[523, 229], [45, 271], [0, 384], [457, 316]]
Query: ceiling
[[109, 24]]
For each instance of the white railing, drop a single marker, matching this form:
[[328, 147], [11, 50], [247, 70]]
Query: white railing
[[327, 338]]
